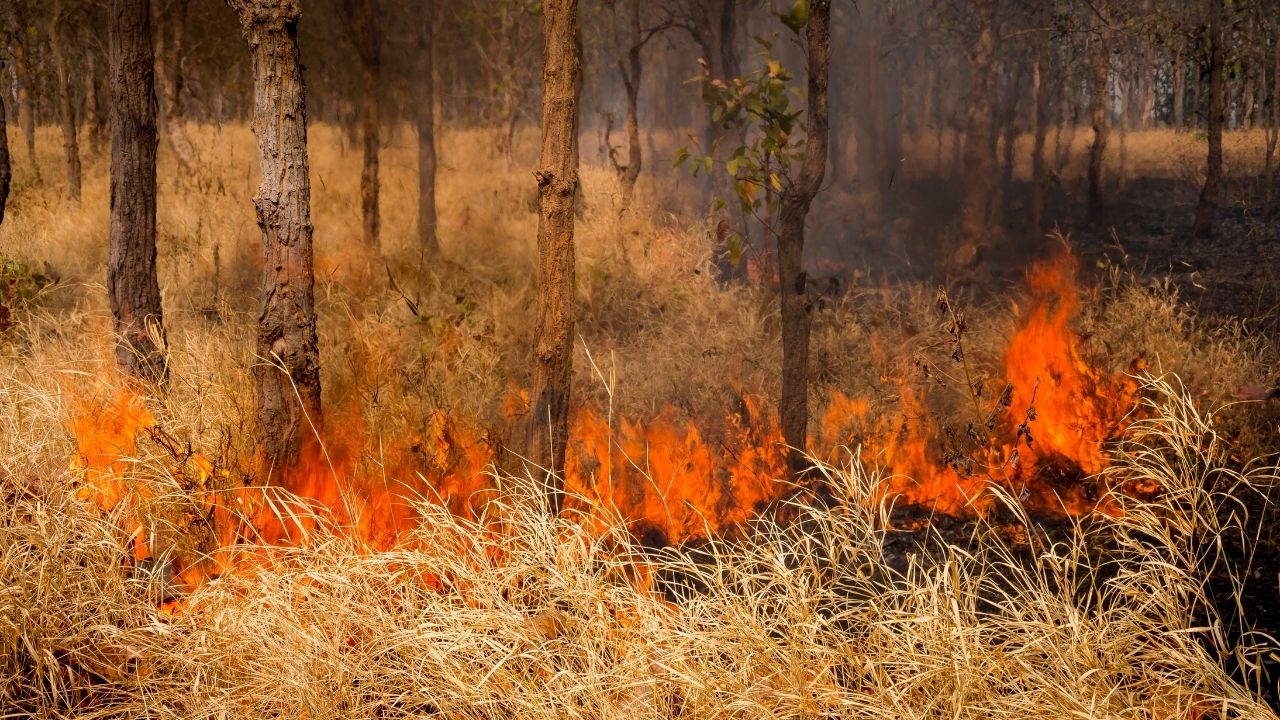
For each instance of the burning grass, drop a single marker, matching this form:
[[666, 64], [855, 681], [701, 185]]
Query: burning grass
[[404, 571], [547, 619]]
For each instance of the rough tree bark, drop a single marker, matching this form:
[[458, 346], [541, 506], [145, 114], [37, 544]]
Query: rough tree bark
[[979, 141], [428, 242], [557, 178], [1208, 206], [796, 199], [131, 255], [66, 99], [171, 21], [1100, 74], [287, 377]]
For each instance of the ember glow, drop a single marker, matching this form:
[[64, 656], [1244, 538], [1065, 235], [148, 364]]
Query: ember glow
[[674, 481]]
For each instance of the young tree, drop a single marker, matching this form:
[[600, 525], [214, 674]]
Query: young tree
[[796, 199], [66, 96], [557, 177], [427, 239], [1208, 206], [780, 159], [287, 376], [131, 255]]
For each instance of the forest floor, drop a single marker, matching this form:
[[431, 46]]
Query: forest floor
[[126, 596]]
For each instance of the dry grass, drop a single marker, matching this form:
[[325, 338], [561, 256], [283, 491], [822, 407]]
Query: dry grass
[[543, 620]]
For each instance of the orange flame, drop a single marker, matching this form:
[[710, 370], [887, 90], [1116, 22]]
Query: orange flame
[[673, 482]]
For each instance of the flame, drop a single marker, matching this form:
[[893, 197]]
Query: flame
[[672, 481]]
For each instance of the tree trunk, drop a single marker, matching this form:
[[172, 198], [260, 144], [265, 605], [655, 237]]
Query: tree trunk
[[131, 255], [1009, 141], [171, 26], [24, 77], [287, 375], [66, 101], [631, 81], [94, 122], [1270, 176], [6, 171], [979, 142], [796, 199], [557, 176], [1100, 73], [1040, 128], [1208, 207], [428, 243], [368, 41], [1179, 89]]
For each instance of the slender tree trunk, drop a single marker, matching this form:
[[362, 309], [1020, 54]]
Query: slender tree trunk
[[367, 37], [428, 243], [1009, 142], [1271, 176], [24, 77], [1208, 207], [794, 406], [170, 36], [287, 375], [94, 122], [6, 170], [1179, 89], [631, 81], [557, 177], [131, 256], [1100, 73], [979, 142], [1040, 128], [66, 101]]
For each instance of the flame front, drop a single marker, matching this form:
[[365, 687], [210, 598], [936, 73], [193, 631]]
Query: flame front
[[675, 481]]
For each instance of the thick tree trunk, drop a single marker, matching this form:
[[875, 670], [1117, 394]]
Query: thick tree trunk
[[1040, 128], [131, 255], [1100, 74], [1208, 207], [171, 27], [428, 242], [66, 100], [557, 176], [979, 141], [6, 170], [368, 40], [287, 375], [631, 81], [794, 405]]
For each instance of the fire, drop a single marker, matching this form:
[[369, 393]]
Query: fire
[[672, 481]]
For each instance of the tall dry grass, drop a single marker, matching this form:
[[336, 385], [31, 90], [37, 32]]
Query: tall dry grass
[[810, 619]]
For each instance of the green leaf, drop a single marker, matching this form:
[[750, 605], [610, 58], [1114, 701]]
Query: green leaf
[[682, 154], [797, 17]]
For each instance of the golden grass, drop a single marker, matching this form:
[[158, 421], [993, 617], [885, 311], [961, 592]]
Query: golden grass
[[805, 620]]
